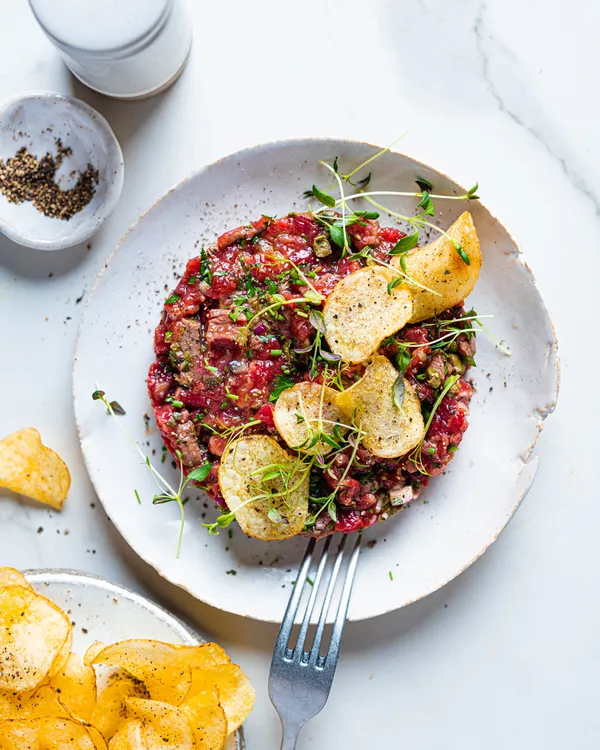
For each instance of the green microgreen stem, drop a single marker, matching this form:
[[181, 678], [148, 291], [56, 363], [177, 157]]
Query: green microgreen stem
[[342, 203], [419, 221], [331, 497], [371, 193], [405, 276], [494, 341], [167, 492], [417, 455], [277, 305], [375, 156], [441, 323], [282, 259], [455, 332]]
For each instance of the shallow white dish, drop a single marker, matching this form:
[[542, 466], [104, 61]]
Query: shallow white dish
[[106, 612], [36, 120], [425, 547]]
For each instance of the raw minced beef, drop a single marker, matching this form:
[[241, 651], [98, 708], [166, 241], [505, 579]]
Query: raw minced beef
[[213, 373]]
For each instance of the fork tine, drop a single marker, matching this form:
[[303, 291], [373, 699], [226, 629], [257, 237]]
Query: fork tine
[[292, 607], [314, 651], [299, 647], [342, 611]]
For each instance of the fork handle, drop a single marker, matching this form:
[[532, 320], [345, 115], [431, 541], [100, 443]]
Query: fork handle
[[290, 735]]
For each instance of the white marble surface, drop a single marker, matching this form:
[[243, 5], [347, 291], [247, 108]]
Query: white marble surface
[[508, 655]]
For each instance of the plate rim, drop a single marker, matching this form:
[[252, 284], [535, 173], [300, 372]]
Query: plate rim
[[59, 575], [529, 460]]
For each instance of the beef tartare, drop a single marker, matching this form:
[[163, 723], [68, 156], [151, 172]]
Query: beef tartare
[[246, 323]]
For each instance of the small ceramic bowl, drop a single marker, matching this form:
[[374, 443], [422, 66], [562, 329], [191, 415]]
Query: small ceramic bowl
[[37, 121]]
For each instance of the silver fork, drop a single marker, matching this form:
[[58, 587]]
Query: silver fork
[[300, 680]]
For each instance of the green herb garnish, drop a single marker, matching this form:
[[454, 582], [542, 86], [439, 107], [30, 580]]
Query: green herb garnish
[[281, 384]]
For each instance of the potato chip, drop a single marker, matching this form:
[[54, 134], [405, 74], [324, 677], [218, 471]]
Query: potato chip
[[129, 737], [265, 486], [164, 727], [96, 738], [62, 734], [43, 702], [76, 684], [62, 656], [32, 633], [152, 662], [19, 735], [389, 431], [360, 312], [439, 267], [236, 694], [109, 712], [49, 734], [204, 655], [303, 413], [207, 720], [31, 469], [92, 652], [12, 577]]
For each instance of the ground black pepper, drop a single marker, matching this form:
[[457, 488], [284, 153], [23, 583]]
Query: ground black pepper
[[24, 177]]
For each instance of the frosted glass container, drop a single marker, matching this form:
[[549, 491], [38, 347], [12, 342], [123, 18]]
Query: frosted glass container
[[127, 49]]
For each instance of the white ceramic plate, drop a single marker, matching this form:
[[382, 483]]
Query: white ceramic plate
[[426, 546], [104, 611]]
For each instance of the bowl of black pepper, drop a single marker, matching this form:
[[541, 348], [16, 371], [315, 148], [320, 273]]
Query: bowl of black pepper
[[61, 170]]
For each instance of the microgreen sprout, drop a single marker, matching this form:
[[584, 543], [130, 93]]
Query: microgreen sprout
[[166, 493], [284, 473], [280, 301], [337, 226], [327, 503], [453, 331], [278, 259], [417, 454]]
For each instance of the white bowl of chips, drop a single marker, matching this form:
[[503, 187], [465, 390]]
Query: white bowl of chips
[[117, 669]]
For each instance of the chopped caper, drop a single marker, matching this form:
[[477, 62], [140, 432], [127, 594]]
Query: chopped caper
[[456, 363], [321, 246], [434, 379]]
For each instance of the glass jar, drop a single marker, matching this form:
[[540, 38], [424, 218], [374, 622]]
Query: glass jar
[[127, 49]]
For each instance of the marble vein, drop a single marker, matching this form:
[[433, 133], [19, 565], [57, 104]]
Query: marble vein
[[575, 179]]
